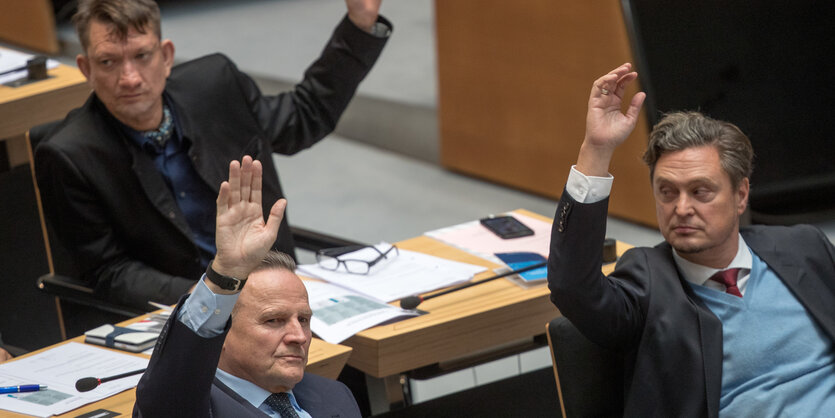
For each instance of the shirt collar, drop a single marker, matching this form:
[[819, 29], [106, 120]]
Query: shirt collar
[[145, 143], [699, 274], [253, 393]]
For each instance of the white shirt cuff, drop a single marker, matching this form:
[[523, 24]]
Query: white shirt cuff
[[588, 189]]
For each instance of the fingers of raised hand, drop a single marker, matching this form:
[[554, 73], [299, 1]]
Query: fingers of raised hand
[[613, 82], [246, 178], [234, 182], [257, 182]]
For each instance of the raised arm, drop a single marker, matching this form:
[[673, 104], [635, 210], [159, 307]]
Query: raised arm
[[604, 310], [182, 358], [363, 13], [607, 126], [297, 119]]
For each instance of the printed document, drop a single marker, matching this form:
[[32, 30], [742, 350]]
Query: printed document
[[339, 313], [59, 368]]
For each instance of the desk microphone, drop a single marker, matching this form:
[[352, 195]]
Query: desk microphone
[[412, 302], [87, 384]]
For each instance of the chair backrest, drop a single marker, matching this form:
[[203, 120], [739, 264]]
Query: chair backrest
[[589, 377], [59, 259]]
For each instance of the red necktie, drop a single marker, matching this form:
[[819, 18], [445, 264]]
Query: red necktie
[[728, 278]]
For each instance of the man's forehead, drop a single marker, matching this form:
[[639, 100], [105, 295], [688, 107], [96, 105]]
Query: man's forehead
[[105, 36], [275, 287]]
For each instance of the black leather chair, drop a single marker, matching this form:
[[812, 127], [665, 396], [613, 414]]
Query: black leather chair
[[589, 377], [62, 280]]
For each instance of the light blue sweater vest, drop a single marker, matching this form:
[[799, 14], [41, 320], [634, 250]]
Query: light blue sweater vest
[[777, 361]]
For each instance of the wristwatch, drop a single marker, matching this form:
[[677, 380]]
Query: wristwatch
[[225, 282]]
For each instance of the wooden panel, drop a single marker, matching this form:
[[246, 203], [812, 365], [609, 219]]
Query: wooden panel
[[459, 323], [29, 23], [514, 81]]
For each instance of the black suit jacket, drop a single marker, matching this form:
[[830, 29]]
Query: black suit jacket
[[111, 208], [672, 343], [180, 382]]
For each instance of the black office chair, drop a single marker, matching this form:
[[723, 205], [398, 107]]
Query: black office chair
[[62, 280], [589, 377]]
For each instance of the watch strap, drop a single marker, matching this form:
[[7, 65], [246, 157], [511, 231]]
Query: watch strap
[[225, 282]]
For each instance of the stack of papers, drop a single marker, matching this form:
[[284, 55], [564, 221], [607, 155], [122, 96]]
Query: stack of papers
[[407, 274], [59, 368], [339, 313]]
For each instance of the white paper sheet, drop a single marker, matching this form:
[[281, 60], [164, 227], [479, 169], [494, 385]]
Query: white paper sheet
[[408, 274], [59, 368], [339, 313], [476, 239]]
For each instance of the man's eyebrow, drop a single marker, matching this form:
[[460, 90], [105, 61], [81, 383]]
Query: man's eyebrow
[[689, 182]]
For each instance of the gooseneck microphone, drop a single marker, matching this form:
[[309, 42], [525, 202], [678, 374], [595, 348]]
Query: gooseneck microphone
[[87, 384], [412, 302]]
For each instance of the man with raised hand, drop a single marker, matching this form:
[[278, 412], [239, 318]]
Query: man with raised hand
[[252, 365]]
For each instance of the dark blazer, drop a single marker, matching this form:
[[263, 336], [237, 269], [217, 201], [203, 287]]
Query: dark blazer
[[672, 343], [110, 206], [180, 382]]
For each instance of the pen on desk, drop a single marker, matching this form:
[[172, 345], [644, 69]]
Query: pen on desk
[[22, 388]]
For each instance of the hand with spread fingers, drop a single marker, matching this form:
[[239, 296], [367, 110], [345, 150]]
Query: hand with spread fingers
[[242, 236], [607, 126]]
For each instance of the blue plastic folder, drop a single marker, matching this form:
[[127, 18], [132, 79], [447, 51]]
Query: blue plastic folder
[[522, 259]]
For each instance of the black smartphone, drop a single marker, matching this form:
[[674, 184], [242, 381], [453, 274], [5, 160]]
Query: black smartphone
[[506, 227]]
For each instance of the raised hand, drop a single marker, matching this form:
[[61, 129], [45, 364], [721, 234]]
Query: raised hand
[[363, 13], [242, 237], [606, 124]]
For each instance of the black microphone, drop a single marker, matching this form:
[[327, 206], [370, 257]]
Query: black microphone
[[87, 384], [412, 302]]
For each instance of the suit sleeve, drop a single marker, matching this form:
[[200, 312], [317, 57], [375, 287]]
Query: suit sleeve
[[178, 381], [607, 310], [84, 227], [297, 119]]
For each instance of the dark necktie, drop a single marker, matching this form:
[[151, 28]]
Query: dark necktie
[[280, 402], [728, 278]]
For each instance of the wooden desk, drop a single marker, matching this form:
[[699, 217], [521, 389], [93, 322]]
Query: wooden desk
[[38, 102], [324, 359], [459, 324]]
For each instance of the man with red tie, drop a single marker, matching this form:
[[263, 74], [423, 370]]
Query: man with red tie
[[718, 320]]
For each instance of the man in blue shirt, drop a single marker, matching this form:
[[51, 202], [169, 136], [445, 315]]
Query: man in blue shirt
[[719, 320], [205, 364], [128, 179]]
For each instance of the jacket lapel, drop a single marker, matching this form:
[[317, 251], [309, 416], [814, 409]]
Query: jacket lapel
[[802, 278], [710, 337]]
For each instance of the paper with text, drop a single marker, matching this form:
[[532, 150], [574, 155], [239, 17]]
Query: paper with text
[[59, 368]]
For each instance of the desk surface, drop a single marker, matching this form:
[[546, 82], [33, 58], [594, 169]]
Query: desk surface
[[41, 101], [324, 359], [458, 324]]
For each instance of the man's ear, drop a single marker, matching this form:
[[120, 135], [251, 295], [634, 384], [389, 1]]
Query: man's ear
[[167, 48], [83, 64], [742, 195]]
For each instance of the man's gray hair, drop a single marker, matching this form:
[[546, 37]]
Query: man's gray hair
[[276, 260], [682, 130]]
